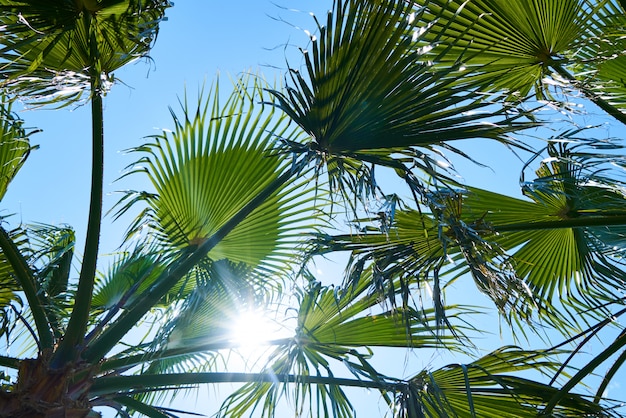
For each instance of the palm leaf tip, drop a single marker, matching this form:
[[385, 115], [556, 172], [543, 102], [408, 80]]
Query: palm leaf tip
[[14, 144]]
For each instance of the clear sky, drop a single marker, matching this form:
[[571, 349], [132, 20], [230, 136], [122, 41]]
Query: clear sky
[[200, 39]]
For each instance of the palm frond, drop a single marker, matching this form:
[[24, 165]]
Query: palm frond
[[54, 50], [130, 274], [211, 166], [560, 246], [14, 144], [488, 387], [531, 47], [418, 254], [11, 298], [10, 286], [563, 240], [600, 57], [338, 326], [510, 45], [366, 96]]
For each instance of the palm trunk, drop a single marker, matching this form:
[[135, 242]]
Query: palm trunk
[[42, 393]]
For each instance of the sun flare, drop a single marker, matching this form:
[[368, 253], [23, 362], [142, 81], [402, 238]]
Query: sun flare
[[253, 328]]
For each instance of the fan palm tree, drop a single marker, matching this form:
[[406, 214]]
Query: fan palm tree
[[237, 183]]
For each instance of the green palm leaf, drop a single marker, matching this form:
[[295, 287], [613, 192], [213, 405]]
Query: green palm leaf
[[130, 274], [564, 239], [426, 252], [599, 68], [10, 290], [54, 50], [485, 388], [35, 262], [336, 317], [334, 325], [609, 82], [51, 250], [366, 97], [512, 44], [199, 328], [521, 47], [211, 166], [14, 144], [562, 245], [14, 149]]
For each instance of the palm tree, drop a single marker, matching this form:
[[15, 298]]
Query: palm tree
[[239, 181]]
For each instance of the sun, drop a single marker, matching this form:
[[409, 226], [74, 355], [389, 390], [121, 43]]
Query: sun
[[253, 329]]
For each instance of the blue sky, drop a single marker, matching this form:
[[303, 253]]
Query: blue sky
[[200, 39]]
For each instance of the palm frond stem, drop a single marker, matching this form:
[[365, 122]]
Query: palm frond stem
[[585, 371], [592, 331], [77, 326], [606, 379], [111, 384], [144, 409], [24, 275], [10, 362], [579, 222], [590, 94], [134, 360]]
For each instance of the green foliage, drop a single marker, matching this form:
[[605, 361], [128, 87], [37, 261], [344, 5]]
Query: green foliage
[[236, 213], [52, 49]]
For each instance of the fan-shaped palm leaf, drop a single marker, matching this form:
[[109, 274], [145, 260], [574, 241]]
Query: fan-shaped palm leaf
[[130, 274], [59, 48], [487, 388], [216, 215], [53, 251], [517, 46], [420, 249], [562, 245], [366, 95], [563, 239], [211, 166], [511, 42], [608, 82], [332, 325]]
